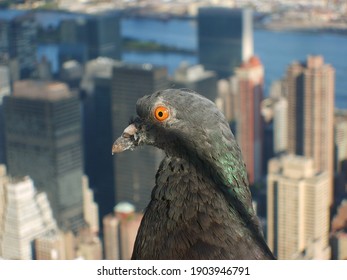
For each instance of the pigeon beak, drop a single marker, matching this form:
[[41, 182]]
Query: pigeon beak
[[126, 141]]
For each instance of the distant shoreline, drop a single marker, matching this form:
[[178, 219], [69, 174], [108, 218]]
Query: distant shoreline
[[131, 44], [272, 26], [303, 29]]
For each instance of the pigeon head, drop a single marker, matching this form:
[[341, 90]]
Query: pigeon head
[[176, 121], [187, 125]]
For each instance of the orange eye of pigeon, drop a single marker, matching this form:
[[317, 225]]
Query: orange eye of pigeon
[[161, 113]]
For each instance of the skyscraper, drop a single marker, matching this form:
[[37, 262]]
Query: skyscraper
[[73, 38], [43, 140], [134, 171], [297, 209], [18, 31], [83, 37], [310, 111], [4, 91], [97, 131], [104, 38], [3, 182], [249, 79], [26, 215], [225, 38], [310, 88]]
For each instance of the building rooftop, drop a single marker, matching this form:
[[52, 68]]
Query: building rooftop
[[32, 89], [188, 73], [219, 10], [293, 167], [135, 66], [124, 207], [254, 61]]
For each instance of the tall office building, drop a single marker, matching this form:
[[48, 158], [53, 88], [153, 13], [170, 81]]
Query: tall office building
[[26, 215], [83, 37], [249, 79], [43, 140], [104, 37], [18, 31], [5, 89], [97, 131], [73, 30], [225, 38], [73, 38], [3, 182], [310, 89], [196, 78], [297, 209], [134, 171]]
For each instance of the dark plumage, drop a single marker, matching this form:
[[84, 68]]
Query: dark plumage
[[201, 204]]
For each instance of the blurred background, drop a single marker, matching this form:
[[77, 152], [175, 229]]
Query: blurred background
[[70, 75]]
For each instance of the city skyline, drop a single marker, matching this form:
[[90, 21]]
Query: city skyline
[[105, 91]]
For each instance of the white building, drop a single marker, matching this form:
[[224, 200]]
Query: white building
[[297, 209], [24, 216]]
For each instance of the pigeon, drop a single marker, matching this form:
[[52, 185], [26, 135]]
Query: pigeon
[[201, 206]]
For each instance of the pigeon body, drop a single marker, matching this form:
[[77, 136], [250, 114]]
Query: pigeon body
[[201, 206]]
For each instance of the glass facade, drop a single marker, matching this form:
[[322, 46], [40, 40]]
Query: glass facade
[[221, 39]]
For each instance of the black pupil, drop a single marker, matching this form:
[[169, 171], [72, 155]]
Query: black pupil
[[160, 114]]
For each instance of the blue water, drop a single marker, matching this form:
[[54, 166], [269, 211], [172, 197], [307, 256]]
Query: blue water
[[175, 32], [275, 49]]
